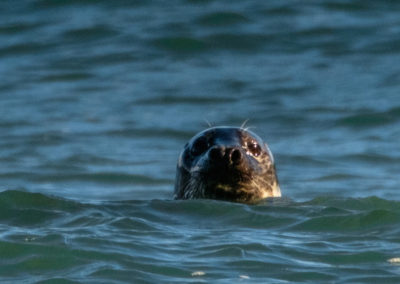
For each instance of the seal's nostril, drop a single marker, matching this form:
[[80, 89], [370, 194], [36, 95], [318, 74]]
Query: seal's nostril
[[216, 153], [236, 156]]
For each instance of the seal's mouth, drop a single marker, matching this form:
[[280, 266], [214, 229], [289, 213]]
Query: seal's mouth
[[232, 193], [227, 192], [230, 184]]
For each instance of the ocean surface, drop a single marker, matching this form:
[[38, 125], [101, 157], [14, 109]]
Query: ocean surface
[[97, 99]]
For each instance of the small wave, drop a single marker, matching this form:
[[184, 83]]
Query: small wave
[[351, 222], [180, 44], [51, 4], [21, 208], [24, 49], [19, 27], [246, 42], [372, 158], [66, 77], [21, 199], [351, 6], [222, 19], [90, 33], [100, 177], [388, 46], [153, 132], [370, 119], [337, 177], [195, 100]]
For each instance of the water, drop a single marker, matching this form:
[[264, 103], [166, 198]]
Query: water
[[152, 241], [97, 98]]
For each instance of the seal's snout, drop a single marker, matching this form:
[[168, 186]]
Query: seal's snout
[[225, 155], [235, 156]]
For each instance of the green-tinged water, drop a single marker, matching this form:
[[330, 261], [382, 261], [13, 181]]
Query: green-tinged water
[[327, 239], [97, 99]]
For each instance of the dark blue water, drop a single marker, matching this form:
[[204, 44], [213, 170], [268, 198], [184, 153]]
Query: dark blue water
[[97, 98]]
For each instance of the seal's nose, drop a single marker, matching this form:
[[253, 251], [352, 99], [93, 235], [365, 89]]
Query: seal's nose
[[235, 156], [228, 155], [216, 153]]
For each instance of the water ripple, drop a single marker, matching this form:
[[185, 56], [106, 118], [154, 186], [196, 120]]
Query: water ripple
[[125, 236]]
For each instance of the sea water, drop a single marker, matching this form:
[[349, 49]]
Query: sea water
[[97, 99]]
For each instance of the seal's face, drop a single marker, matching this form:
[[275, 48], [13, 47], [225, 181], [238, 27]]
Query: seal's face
[[226, 163]]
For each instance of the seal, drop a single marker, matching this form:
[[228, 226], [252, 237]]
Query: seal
[[226, 163]]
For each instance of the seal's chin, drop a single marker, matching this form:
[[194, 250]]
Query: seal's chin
[[231, 191], [228, 192], [233, 194]]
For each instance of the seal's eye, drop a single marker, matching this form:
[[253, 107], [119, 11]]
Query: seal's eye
[[199, 146], [254, 149]]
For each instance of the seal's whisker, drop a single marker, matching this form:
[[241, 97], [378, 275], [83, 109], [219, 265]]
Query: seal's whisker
[[208, 122], [188, 190], [195, 170], [244, 124], [186, 184], [194, 189]]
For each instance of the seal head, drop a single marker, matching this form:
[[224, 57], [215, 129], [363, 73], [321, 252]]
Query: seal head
[[226, 163]]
